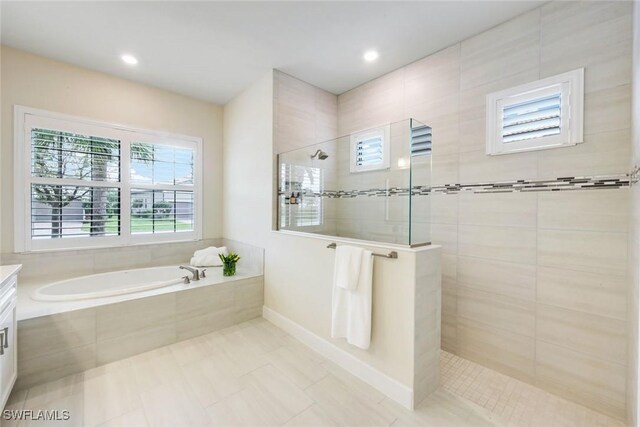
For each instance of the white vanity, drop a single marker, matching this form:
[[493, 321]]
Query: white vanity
[[8, 330]]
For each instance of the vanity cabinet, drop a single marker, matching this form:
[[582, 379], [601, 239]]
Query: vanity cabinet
[[8, 330]]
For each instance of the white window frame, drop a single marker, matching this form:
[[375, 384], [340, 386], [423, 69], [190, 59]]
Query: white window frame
[[382, 131], [571, 87], [26, 118]]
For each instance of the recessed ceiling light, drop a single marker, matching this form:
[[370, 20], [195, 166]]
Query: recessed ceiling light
[[370, 55], [129, 59]]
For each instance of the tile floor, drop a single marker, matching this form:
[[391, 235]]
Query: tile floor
[[254, 374]]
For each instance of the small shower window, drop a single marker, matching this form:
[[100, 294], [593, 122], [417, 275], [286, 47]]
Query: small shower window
[[370, 150], [547, 113], [301, 196]]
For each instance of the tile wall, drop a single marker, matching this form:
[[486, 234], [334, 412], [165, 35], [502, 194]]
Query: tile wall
[[634, 231], [534, 283]]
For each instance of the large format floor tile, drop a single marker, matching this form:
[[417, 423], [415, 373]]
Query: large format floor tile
[[254, 374]]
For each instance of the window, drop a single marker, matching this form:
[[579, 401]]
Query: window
[[94, 184], [305, 184], [544, 114], [370, 150], [420, 141]]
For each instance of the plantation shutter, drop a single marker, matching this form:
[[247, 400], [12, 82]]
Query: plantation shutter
[[421, 141], [533, 118], [61, 207], [369, 151]]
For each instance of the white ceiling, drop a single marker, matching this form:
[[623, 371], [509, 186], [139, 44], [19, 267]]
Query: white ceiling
[[213, 50]]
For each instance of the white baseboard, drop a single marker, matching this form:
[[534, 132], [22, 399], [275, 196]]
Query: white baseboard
[[367, 373]]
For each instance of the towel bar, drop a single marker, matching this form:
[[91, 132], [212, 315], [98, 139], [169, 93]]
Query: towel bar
[[392, 254]]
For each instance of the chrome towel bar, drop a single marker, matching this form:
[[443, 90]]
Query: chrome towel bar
[[392, 254]]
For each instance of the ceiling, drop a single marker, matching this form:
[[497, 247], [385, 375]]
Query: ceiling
[[213, 50]]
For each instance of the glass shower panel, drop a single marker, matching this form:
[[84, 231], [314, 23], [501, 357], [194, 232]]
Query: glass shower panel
[[421, 190], [356, 186]]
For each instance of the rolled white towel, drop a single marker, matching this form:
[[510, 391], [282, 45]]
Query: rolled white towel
[[206, 261], [208, 257], [211, 250]]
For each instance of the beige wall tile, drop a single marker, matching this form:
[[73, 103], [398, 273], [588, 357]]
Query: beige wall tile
[[202, 301], [602, 294], [598, 210], [515, 280], [112, 349], [583, 250], [510, 244], [595, 35], [444, 208], [592, 382], [135, 316], [607, 110], [605, 153], [594, 335], [444, 169], [477, 167], [445, 235], [504, 351], [50, 334], [497, 311], [52, 366], [495, 209], [502, 51]]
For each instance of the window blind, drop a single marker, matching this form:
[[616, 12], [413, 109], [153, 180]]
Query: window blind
[[61, 211], [307, 182], [56, 154], [59, 207], [161, 211], [534, 118], [369, 151], [421, 141]]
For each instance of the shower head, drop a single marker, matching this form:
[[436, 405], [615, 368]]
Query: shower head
[[320, 154]]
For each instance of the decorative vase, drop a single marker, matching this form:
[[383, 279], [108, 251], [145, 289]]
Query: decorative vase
[[229, 268]]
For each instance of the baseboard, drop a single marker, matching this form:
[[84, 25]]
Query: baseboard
[[367, 373]]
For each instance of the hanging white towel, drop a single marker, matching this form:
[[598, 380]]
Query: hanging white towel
[[347, 267], [351, 309], [208, 257]]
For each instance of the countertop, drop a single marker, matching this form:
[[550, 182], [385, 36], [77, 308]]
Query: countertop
[[6, 271]]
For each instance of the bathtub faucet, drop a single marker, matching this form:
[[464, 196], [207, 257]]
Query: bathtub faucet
[[194, 271]]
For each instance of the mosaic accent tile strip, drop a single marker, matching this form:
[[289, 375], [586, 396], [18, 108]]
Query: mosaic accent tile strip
[[559, 184], [634, 176]]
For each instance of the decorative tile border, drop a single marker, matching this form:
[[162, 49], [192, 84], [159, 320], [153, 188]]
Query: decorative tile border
[[635, 175], [559, 184]]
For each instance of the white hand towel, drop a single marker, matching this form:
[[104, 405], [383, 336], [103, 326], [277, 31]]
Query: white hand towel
[[347, 267], [351, 310]]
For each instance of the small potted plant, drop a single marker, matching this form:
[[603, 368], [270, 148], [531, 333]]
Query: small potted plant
[[229, 263]]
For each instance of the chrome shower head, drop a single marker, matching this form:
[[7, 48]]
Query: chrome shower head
[[320, 154]]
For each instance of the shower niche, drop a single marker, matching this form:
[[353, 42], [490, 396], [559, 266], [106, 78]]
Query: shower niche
[[371, 185]]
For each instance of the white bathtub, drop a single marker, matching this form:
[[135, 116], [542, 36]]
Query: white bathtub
[[110, 284]]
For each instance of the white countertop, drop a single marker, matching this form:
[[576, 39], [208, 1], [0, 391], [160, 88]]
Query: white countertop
[[6, 271]]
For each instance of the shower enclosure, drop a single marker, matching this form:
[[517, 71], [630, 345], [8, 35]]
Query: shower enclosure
[[370, 185]]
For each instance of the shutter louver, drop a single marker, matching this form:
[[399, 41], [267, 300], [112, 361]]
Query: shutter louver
[[421, 139], [369, 152], [535, 118]]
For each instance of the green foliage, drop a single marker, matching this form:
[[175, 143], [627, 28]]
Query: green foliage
[[232, 258], [162, 209]]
